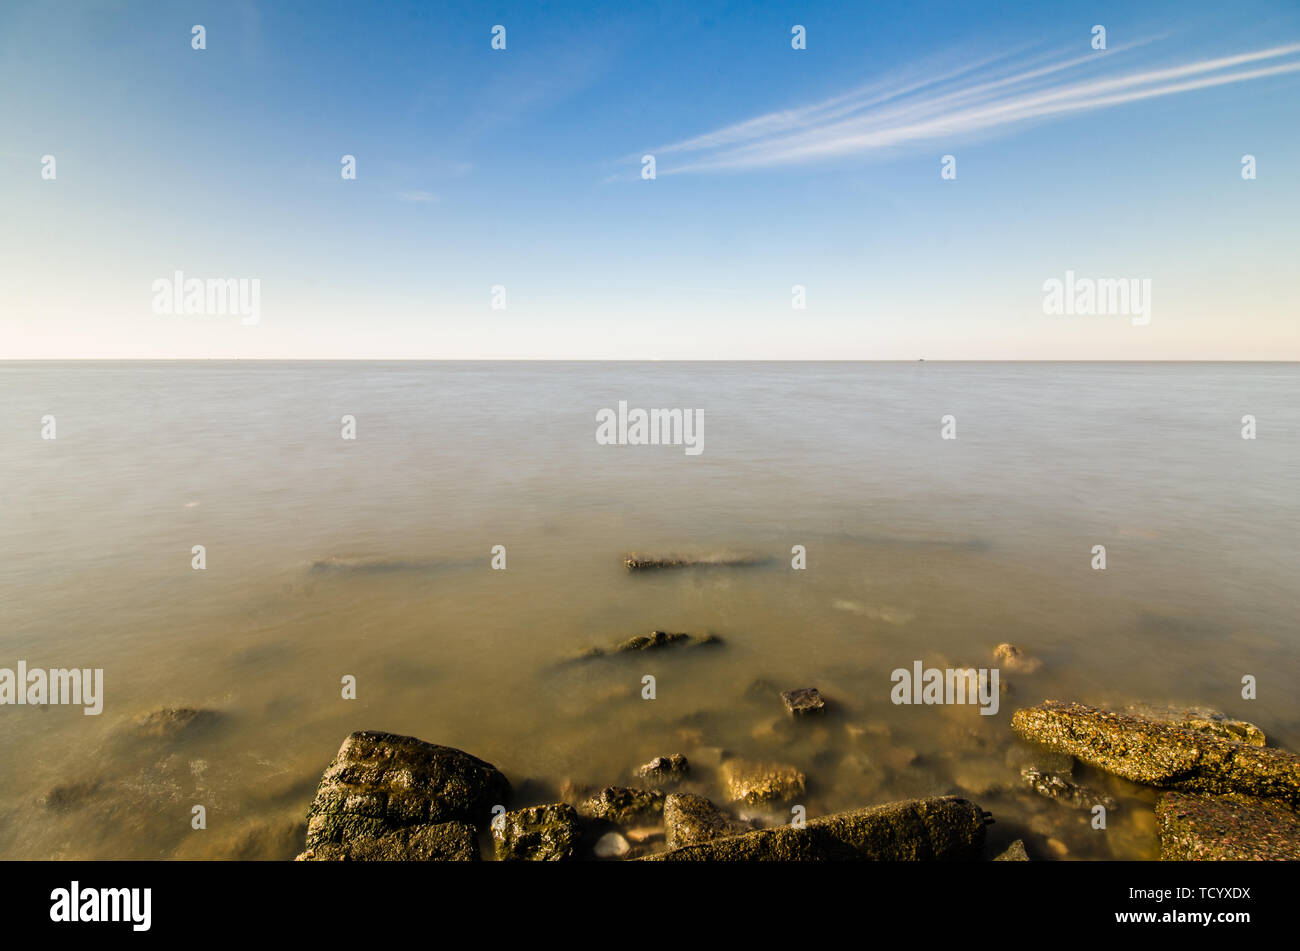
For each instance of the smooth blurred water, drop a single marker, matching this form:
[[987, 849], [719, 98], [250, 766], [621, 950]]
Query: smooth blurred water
[[918, 549]]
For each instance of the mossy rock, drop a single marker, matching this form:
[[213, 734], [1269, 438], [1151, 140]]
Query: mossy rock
[[946, 828], [382, 783]]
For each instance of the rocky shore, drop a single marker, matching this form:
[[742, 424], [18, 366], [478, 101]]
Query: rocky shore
[[1220, 793], [1197, 783]]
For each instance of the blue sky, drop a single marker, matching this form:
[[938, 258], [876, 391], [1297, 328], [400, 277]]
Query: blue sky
[[521, 168]]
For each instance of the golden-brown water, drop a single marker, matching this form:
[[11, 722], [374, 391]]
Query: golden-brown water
[[918, 548]]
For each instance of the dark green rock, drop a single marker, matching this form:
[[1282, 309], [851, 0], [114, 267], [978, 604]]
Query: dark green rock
[[756, 781], [1159, 754], [689, 819], [623, 806], [1200, 828], [665, 770], [945, 828], [382, 783], [537, 834], [805, 701], [430, 842]]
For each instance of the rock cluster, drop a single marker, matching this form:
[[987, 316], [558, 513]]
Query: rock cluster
[[1228, 797], [1157, 753]]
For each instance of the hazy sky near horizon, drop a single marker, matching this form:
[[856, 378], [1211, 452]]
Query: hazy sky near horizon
[[775, 167]]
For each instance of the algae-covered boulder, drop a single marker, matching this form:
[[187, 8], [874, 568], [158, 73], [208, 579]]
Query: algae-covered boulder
[[427, 842], [623, 806], [537, 834], [752, 782], [381, 786], [689, 818], [171, 723], [1160, 754], [912, 830], [1195, 827]]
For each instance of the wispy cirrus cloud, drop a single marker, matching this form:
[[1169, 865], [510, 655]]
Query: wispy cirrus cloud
[[981, 98]]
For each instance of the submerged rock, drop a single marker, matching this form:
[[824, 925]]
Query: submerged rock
[[171, 722], [1202, 719], [915, 830], [652, 641], [1201, 828], [1063, 790], [254, 840], [689, 819], [1011, 657], [386, 796], [623, 805], [1019, 755], [1158, 754], [1015, 852], [537, 834], [751, 781], [804, 701], [644, 562], [69, 796], [665, 769]]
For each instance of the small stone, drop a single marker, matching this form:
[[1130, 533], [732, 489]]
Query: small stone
[[1011, 657], [689, 818], [1065, 790], [1015, 852], [1059, 848], [752, 782], [537, 834], [665, 769], [623, 805], [611, 845], [803, 701]]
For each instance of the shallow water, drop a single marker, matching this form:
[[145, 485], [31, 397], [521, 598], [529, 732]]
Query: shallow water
[[918, 548]]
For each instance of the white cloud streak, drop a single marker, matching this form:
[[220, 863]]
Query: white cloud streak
[[949, 106]]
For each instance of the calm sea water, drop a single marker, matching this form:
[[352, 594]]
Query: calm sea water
[[918, 548]]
